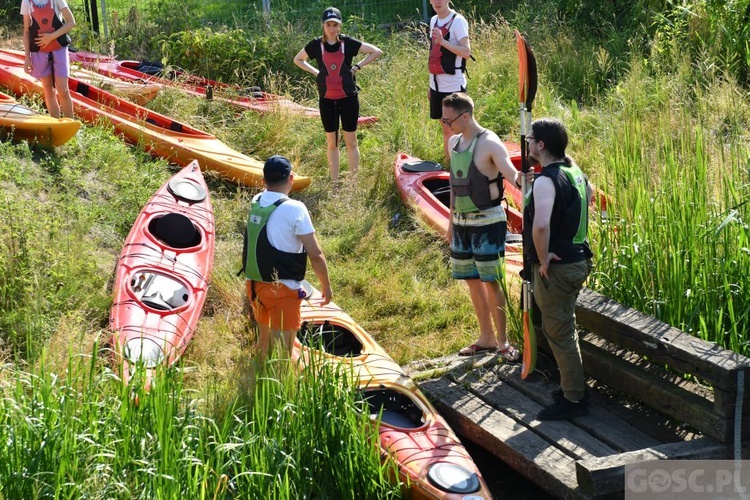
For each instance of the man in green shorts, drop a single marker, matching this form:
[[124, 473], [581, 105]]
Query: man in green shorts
[[478, 226]]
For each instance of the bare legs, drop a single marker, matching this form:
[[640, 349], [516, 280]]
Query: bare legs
[[53, 92], [489, 304], [334, 157]]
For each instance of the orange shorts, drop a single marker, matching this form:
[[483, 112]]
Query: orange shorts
[[275, 305]]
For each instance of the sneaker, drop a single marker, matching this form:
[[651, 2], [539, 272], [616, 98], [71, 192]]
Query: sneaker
[[564, 408], [510, 353]]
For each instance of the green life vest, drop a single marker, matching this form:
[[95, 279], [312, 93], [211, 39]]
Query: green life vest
[[263, 262], [578, 181]]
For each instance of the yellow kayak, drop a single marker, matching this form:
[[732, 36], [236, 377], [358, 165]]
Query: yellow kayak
[[23, 123]]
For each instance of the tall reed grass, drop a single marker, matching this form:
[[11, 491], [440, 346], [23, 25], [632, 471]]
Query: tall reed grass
[[82, 434]]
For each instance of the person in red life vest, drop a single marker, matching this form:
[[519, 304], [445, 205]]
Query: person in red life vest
[[449, 50], [337, 85], [46, 24]]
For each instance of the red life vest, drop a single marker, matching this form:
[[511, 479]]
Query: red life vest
[[333, 62], [442, 61], [44, 20]]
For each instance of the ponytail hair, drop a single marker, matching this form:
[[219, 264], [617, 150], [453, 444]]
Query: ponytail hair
[[552, 132]]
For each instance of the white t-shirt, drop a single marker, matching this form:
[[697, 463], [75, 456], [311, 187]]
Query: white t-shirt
[[27, 6], [458, 30], [290, 220]]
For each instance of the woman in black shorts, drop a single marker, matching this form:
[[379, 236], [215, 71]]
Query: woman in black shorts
[[337, 85]]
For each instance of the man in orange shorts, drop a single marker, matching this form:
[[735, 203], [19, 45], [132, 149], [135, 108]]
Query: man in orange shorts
[[279, 239]]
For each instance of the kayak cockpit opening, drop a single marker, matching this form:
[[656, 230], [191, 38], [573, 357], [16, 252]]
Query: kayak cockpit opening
[[330, 338], [440, 189], [158, 291], [187, 190], [175, 230], [394, 408]]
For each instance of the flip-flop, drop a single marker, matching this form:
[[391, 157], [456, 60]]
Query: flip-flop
[[475, 349]]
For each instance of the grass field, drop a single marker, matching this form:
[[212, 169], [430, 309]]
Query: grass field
[[663, 132]]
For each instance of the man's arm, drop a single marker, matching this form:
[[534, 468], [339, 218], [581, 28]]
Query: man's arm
[[500, 158], [544, 200], [319, 264]]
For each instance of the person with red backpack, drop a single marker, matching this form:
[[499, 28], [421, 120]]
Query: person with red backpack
[[337, 85], [449, 50], [46, 24]]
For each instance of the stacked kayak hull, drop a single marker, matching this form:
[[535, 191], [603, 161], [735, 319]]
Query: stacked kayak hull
[[158, 134], [162, 275], [425, 186], [257, 100], [432, 462], [20, 122]]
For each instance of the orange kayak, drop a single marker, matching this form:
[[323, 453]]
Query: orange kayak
[[432, 462], [425, 186], [143, 71], [162, 275], [158, 134], [23, 123]]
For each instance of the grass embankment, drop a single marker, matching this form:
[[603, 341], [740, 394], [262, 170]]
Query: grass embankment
[[670, 149]]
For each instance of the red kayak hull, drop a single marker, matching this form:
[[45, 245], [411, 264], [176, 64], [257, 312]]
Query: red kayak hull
[[259, 101], [162, 276], [428, 192]]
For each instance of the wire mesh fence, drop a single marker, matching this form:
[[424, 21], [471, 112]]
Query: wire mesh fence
[[194, 13]]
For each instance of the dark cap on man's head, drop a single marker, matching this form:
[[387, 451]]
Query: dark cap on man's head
[[332, 14], [277, 168]]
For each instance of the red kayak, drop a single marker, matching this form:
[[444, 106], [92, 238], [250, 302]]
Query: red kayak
[[432, 462], [162, 276], [141, 71], [425, 186], [158, 134]]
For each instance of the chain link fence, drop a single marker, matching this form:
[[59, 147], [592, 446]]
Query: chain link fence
[[195, 13]]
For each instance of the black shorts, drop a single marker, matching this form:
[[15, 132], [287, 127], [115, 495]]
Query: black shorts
[[347, 109], [436, 103]]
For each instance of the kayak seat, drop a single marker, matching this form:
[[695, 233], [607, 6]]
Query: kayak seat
[[175, 126], [175, 230]]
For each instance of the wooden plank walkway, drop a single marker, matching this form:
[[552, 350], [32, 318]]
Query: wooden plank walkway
[[486, 402]]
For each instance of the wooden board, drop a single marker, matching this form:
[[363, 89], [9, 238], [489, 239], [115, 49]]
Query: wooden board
[[662, 343], [602, 475], [523, 450]]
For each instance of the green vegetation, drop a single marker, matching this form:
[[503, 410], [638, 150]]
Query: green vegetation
[[655, 98], [82, 434]]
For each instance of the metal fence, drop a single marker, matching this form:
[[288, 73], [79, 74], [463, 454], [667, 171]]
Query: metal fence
[[194, 13]]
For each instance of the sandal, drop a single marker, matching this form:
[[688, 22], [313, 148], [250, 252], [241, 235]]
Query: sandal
[[510, 353], [475, 349]]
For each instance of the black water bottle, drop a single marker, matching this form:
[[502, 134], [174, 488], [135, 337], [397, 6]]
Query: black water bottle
[[209, 92]]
